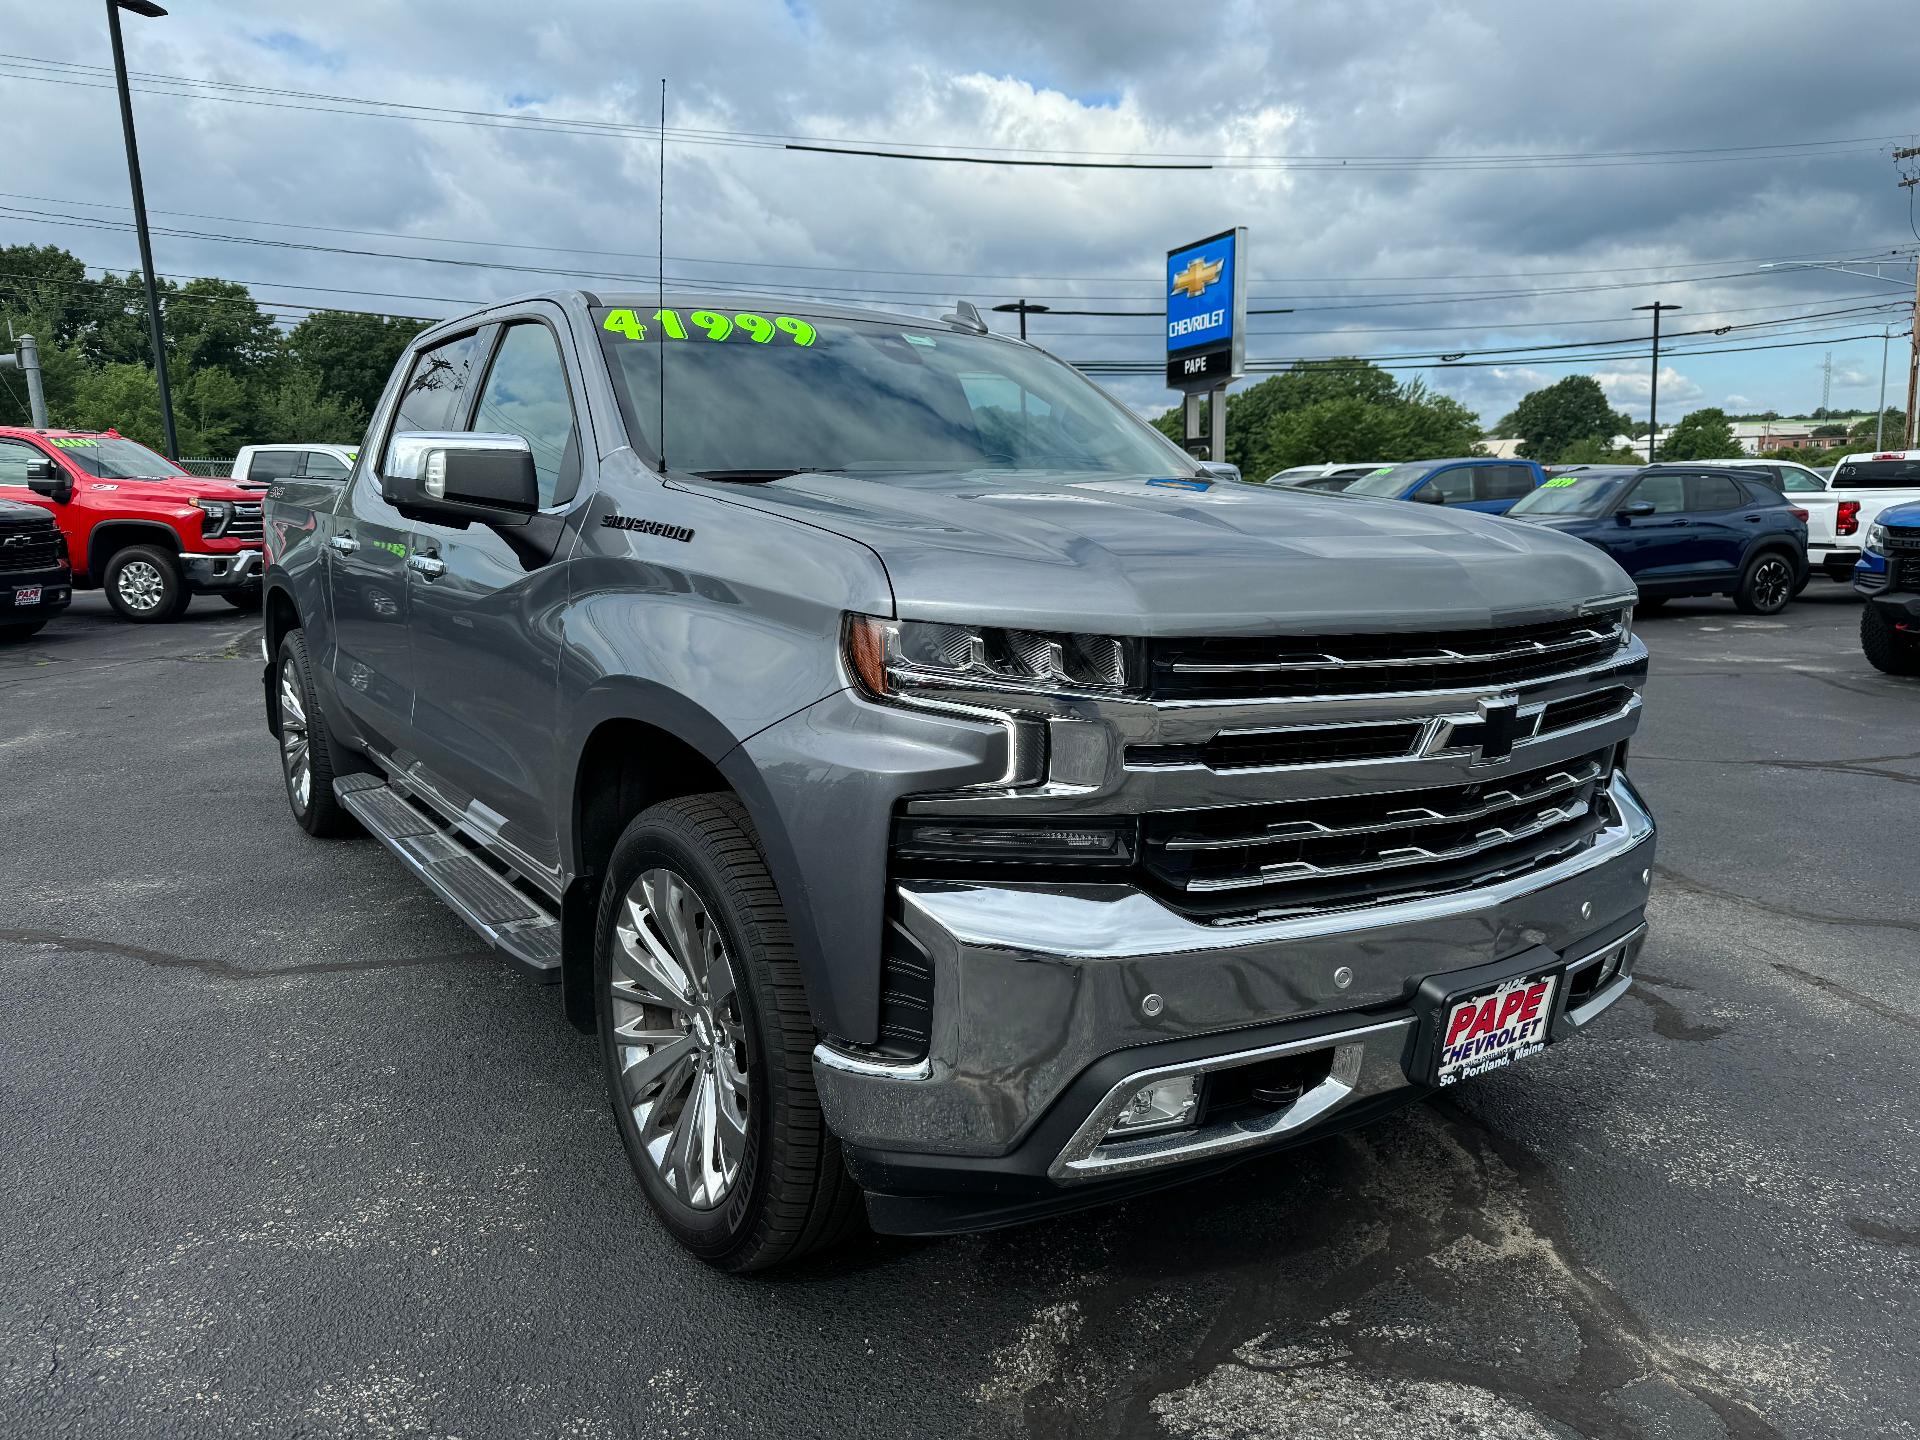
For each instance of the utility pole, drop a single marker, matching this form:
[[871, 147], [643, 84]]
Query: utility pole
[[1022, 309], [1653, 390], [1880, 417], [1908, 182], [28, 361], [152, 12]]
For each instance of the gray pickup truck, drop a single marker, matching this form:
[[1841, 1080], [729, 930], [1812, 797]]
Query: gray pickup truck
[[947, 802]]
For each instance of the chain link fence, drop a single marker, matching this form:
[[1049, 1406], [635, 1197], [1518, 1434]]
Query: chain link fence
[[207, 466]]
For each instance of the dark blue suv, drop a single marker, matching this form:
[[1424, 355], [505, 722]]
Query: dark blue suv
[[1889, 576], [1683, 531], [1469, 484]]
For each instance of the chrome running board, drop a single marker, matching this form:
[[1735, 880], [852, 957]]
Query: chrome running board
[[502, 914]]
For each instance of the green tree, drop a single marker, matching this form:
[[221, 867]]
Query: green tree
[[354, 354], [1321, 410], [295, 406], [1891, 427], [1701, 435], [1550, 419], [1597, 452]]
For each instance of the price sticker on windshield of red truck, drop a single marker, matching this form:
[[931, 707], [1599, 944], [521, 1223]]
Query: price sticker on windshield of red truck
[[1494, 1028]]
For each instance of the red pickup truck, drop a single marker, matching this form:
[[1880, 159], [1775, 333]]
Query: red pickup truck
[[137, 525]]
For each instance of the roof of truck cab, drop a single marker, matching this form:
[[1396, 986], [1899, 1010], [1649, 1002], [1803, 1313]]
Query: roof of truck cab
[[732, 303]]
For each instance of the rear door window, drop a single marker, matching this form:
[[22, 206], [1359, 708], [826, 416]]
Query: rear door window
[[322, 466], [272, 464], [1501, 482], [1713, 493]]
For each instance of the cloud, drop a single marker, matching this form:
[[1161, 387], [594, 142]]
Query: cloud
[[1632, 389], [1739, 402], [1370, 261], [1851, 376]]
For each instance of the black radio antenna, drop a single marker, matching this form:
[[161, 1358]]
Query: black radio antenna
[[660, 277]]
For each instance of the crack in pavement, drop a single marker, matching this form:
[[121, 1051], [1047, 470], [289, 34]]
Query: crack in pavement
[[1809, 917], [221, 969], [1845, 992], [1881, 1233], [1871, 766]]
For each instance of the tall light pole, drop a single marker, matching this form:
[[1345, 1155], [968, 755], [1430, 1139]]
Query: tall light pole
[[1653, 389], [152, 12], [1880, 415]]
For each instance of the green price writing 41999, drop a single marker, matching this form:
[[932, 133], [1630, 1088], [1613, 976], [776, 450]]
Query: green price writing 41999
[[710, 325]]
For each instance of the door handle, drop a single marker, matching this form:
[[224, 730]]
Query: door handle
[[345, 544], [427, 566], [1752, 519]]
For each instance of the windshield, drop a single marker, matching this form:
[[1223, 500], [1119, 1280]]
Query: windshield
[[757, 397], [1878, 475], [107, 457], [1571, 495], [1389, 480]]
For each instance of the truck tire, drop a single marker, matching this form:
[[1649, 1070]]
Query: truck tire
[[143, 584], [306, 750], [1888, 651], [20, 632], [1766, 585], [707, 1042]]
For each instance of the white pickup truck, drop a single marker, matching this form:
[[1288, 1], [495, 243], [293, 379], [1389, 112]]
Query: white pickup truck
[[1839, 511]]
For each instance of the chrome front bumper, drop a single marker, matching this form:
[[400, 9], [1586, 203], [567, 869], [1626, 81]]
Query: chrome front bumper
[[231, 570], [1035, 984]]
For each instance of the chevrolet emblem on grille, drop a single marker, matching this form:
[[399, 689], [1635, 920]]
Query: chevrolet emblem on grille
[[1490, 733]]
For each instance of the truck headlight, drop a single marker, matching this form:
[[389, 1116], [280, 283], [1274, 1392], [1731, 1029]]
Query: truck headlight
[[218, 513], [905, 658], [1876, 543]]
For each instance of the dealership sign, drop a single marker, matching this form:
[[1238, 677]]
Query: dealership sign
[[1207, 312]]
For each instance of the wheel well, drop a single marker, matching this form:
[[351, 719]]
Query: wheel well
[[1777, 547], [625, 766], [117, 535], [280, 617]]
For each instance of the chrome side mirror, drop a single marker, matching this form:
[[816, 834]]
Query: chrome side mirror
[[1218, 469], [457, 476]]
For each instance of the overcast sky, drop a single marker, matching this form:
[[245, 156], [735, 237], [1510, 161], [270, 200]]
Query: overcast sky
[[1373, 260]]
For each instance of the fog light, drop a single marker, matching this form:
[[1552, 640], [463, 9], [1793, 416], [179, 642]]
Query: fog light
[[1159, 1105]]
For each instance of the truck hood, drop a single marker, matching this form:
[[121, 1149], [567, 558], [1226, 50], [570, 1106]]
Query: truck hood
[[174, 491], [1143, 555]]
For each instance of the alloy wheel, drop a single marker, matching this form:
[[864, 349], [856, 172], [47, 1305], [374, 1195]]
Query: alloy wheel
[[295, 756], [681, 1038], [140, 585], [1772, 584]]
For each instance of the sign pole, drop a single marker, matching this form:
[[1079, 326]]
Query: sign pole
[[1206, 302]]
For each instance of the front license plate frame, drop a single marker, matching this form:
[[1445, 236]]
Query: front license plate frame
[[28, 594], [1491, 1027]]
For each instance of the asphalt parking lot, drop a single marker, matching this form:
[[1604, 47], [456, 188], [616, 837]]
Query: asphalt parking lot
[[285, 1151]]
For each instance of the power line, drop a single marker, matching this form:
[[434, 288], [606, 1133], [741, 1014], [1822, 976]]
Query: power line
[[69, 73], [1849, 253]]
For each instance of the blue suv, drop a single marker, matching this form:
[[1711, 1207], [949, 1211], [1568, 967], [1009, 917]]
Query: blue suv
[[1889, 576], [1678, 530], [1471, 484]]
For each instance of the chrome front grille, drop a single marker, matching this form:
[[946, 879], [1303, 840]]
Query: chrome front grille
[[1280, 667], [1248, 862], [1491, 735], [245, 524]]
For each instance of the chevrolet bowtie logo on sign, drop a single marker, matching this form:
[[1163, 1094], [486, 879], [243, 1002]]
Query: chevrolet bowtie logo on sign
[[1199, 274], [1206, 311]]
